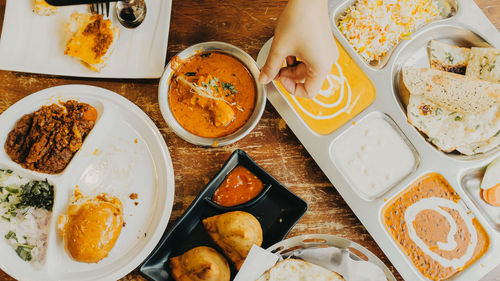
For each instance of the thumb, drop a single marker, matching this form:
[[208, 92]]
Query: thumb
[[273, 64]]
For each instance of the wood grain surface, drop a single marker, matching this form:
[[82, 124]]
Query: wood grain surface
[[248, 25]]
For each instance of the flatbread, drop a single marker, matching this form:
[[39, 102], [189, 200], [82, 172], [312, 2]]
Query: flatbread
[[453, 91], [450, 130], [447, 57], [299, 270], [480, 147], [455, 112], [484, 64]]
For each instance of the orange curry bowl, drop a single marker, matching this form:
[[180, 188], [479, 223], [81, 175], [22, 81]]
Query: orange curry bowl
[[209, 94]]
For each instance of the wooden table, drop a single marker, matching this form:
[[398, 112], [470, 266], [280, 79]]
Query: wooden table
[[247, 24]]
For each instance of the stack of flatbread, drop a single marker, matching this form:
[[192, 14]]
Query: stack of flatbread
[[456, 102], [299, 270]]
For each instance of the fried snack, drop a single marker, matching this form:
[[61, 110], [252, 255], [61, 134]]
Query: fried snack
[[235, 232], [91, 227], [42, 8], [92, 39], [200, 264]]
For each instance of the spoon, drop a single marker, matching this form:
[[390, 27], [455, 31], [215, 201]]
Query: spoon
[[131, 13]]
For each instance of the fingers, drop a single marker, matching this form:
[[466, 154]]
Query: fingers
[[273, 64], [291, 61], [301, 81], [311, 87]]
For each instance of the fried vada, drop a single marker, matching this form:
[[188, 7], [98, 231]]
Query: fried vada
[[200, 264], [235, 232]]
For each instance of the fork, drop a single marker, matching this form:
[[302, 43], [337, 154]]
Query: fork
[[100, 8]]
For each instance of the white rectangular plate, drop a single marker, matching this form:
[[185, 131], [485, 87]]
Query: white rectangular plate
[[33, 43]]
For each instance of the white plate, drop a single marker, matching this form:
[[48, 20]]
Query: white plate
[[33, 43], [110, 160]]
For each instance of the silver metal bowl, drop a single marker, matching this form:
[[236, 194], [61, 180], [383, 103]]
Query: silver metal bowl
[[290, 246], [250, 64]]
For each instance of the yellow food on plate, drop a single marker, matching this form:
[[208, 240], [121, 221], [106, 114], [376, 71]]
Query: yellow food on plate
[[91, 227], [200, 264], [42, 8], [345, 93], [235, 232], [92, 39]]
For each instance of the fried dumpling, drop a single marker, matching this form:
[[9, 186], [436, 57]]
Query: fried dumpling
[[91, 227], [200, 264], [235, 232]]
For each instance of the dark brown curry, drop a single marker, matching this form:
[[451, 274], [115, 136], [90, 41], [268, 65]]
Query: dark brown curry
[[46, 140]]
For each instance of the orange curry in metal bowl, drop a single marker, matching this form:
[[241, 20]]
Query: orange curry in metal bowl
[[239, 187], [211, 94]]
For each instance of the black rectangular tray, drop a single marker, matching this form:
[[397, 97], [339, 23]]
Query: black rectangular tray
[[277, 210]]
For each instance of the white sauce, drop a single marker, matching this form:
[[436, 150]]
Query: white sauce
[[436, 204], [373, 156]]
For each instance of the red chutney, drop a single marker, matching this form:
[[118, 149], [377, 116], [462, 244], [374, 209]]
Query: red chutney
[[239, 187]]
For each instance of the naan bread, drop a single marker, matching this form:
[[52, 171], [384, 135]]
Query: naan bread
[[453, 91], [92, 39], [454, 111], [484, 64], [447, 57], [299, 270], [480, 147]]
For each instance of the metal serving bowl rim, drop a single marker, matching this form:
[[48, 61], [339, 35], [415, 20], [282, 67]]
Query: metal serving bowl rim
[[247, 61]]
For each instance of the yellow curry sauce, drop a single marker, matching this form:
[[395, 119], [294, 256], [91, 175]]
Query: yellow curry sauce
[[436, 212], [346, 92], [221, 76]]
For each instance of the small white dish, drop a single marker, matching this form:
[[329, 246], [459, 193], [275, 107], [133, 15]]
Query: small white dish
[[36, 44]]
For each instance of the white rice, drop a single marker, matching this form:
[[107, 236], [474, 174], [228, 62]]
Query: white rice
[[375, 27]]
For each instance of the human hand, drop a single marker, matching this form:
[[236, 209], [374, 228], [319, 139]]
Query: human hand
[[303, 31]]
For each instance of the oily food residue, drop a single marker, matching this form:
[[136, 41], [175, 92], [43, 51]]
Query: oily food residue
[[239, 187], [102, 34], [46, 140], [211, 94], [434, 228]]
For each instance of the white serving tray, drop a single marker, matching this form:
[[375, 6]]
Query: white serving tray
[[469, 21], [33, 43], [123, 154]]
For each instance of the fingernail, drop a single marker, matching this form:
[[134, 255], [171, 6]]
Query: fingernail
[[263, 78]]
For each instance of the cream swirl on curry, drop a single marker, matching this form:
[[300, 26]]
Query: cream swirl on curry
[[434, 228]]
